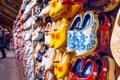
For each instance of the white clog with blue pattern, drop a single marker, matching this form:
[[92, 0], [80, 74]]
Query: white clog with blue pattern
[[87, 34], [71, 37]]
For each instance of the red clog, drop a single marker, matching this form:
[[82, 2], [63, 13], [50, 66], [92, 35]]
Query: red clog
[[75, 67], [103, 33], [102, 68], [89, 70]]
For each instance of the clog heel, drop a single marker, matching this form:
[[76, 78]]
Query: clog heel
[[111, 72], [63, 65], [86, 34], [115, 40], [61, 34]]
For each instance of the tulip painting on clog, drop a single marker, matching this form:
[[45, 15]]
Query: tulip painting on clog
[[52, 39], [71, 38], [53, 3], [47, 33], [58, 57], [87, 34], [63, 65], [61, 34]]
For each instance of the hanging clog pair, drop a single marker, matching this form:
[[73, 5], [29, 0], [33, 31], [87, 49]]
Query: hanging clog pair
[[58, 36], [87, 71], [92, 68], [82, 34], [61, 66]]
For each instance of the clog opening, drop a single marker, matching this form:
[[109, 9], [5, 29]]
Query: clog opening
[[101, 20], [99, 65], [86, 22], [76, 23], [86, 71], [77, 66]]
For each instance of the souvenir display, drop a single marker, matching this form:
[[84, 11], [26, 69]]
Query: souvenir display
[[68, 39]]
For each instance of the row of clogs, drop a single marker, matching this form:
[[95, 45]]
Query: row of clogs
[[60, 9], [80, 68], [61, 41], [48, 58], [92, 68], [85, 34]]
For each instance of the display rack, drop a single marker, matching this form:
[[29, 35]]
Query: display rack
[[52, 39]]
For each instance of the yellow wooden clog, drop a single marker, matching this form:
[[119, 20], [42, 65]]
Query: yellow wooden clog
[[61, 34]]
